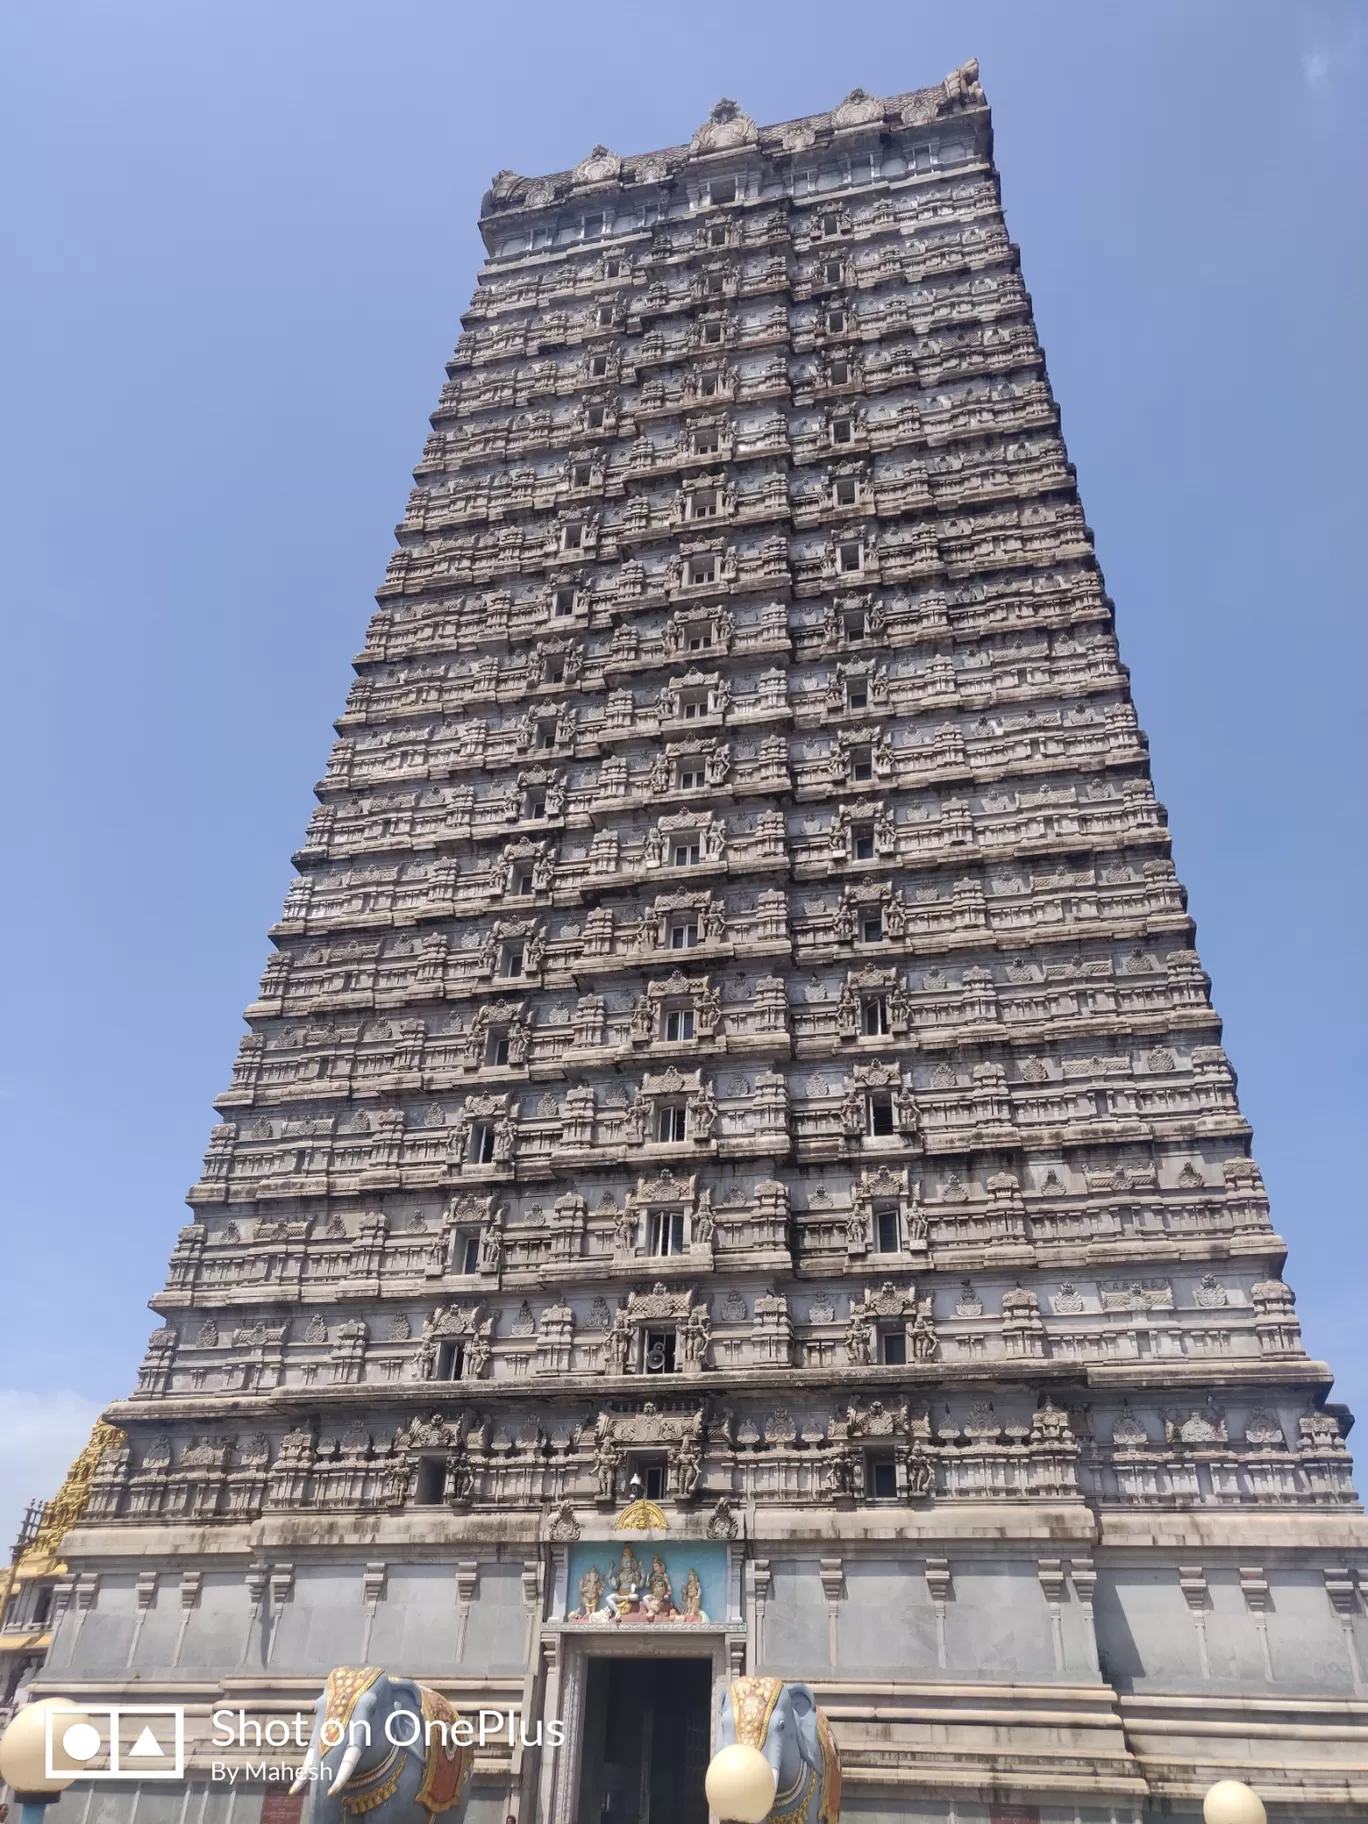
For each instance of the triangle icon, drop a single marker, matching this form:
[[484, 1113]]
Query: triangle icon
[[147, 1746]]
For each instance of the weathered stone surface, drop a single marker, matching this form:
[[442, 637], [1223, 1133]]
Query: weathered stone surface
[[737, 1023]]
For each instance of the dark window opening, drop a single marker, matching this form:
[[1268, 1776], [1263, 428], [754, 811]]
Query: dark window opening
[[431, 1482], [862, 763], [847, 491], [482, 1145], [450, 1361], [874, 1016], [672, 1124], [722, 190], [879, 1113], [839, 373], [470, 1254], [654, 1475], [496, 1048], [862, 842], [686, 854], [683, 935], [887, 1232], [513, 958], [871, 929], [563, 601], [658, 1351], [881, 1478], [894, 1349], [679, 1024]]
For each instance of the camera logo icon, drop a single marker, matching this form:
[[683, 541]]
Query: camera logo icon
[[116, 1741]]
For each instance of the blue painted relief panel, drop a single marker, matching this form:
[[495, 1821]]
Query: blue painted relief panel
[[659, 1583]]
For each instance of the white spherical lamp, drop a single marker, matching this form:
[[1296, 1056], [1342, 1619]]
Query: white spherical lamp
[[23, 1749], [740, 1785], [1232, 1802]]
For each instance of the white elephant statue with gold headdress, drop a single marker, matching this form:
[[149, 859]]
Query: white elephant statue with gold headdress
[[385, 1747], [776, 1759]]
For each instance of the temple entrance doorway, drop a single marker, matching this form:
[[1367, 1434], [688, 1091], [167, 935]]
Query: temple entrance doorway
[[646, 1738]]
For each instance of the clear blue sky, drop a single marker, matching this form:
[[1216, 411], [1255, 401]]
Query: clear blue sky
[[239, 234]]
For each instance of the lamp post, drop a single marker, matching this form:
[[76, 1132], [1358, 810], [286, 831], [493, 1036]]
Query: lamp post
[[24, 1756], [1232, 1802]]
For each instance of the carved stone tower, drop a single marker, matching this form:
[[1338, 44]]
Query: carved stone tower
[[733, 1162]]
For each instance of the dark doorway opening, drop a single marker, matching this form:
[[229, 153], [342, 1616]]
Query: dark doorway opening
[[646, 1738]]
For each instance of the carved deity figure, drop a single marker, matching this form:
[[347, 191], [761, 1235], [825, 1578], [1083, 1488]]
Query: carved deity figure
[[840, 1473], [922, 1341], [697, 1335], [658, 1599], [590, 1594], [607, 1460], [692, 1598], [703, 1112], [859, 1340], [618, 1344], [688, 1466]]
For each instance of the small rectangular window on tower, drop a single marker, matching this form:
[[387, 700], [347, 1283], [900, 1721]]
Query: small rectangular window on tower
[[658, 1351], [666, 1232], [874, 1016], [672, 1124], [879, 1113], [482, 1144], [881, 1476]]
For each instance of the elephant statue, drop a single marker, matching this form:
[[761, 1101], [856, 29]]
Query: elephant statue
[[385, 1747], [773, 1741]]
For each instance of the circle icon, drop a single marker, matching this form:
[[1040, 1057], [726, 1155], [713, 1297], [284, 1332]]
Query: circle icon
[[81, 1742]]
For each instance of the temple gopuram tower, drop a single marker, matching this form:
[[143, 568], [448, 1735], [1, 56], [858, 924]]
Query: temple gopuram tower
[[733, 1166]]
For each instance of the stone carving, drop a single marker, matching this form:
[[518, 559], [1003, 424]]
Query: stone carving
[[737, 887]]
